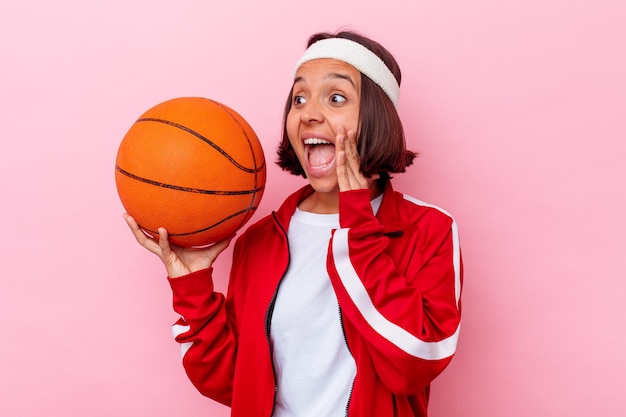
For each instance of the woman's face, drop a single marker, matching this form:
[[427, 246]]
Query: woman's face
[[326, 95]]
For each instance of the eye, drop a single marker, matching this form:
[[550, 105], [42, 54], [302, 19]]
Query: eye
[[337, 98], [298, 100]]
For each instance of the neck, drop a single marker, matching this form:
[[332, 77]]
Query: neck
[[328, 203], [321, 203]]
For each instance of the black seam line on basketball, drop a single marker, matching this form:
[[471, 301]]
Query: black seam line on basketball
[[204, 229], [199, 136], [236, 119], [230, 112], [186, 189]]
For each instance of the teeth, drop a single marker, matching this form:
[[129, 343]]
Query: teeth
[[316, 141]]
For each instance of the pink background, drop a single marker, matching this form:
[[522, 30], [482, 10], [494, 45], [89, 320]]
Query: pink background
[[518, 108]]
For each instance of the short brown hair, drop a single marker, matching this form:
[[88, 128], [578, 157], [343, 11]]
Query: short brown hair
[[380, 142]]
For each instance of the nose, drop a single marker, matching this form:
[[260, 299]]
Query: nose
[[311, 113]]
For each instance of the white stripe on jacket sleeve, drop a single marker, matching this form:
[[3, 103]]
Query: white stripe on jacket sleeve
[[456, 247], [387, 329], [177, 330]]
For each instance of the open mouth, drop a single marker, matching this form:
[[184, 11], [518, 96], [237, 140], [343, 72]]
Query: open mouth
[[320, 153]]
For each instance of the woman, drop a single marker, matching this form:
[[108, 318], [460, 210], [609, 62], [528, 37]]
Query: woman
[[346, 300]]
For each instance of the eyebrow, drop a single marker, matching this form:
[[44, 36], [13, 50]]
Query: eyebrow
[[340, 76], [331, 75]]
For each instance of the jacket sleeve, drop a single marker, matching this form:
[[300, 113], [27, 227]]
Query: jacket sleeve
[[207, 334], [404, 301]]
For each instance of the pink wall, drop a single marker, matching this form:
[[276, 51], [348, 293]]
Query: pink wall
[[518, 108]]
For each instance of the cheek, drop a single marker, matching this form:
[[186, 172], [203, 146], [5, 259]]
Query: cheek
[[292, 129], [347, 117], [347, 121], [293, 132]]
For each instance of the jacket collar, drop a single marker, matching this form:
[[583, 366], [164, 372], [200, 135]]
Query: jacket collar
[[388, 213], [286, 210]]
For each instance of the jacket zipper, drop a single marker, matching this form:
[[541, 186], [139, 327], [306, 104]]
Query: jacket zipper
[[270, 311], [345, 339]]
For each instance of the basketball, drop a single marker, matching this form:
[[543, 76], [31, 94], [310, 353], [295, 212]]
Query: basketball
[[193, 166]]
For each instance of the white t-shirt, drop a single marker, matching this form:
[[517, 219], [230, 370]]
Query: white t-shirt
[[314, 367]]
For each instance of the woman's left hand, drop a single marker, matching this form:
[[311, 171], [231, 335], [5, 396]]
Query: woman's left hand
[[349, 175]]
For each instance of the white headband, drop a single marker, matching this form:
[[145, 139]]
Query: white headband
[[357, 55]]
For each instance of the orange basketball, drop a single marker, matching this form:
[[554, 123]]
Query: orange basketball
[[193, 166]]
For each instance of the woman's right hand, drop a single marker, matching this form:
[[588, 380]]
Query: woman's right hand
[[178, 261]]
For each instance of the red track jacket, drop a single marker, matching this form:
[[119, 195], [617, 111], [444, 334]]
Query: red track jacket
[[397, 277]]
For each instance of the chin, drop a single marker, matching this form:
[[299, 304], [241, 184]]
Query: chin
[[324, 185]]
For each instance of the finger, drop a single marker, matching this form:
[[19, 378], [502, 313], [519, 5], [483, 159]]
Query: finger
[[348, 175], [134, 226], [164, 243], [220, 246], [345, 160], [130, 221], [355, 177], [350, 147], [353, 167], [139, 234], [343, 179], [340, 155], [346, 142], [340, 138]]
